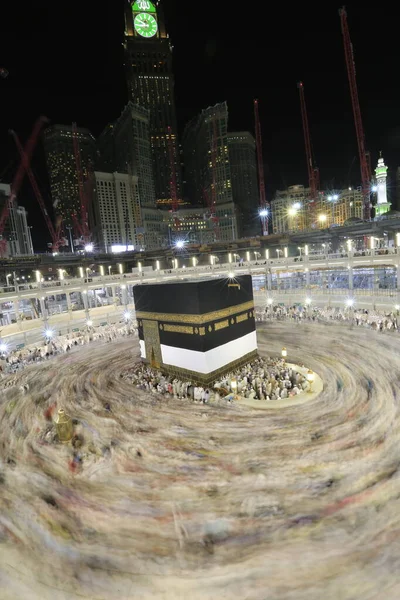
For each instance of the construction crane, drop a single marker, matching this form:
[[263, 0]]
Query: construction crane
[[19, 176], [313, 172], [57, 240], [363, 154], [264, 206], [173, 187], [82, 223]]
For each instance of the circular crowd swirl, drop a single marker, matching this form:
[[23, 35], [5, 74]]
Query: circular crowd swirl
[[165, 498]]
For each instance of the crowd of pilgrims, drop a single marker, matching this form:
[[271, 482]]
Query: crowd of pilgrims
[[371, 319], [263, 379], [37, 353]]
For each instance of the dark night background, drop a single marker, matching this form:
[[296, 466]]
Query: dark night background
[[65, 60]]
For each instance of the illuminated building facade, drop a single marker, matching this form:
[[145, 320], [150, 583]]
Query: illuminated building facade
[[61, 167], [207, 167], [148, 61], [291, 210], [17, 231], [124, 147], [116, 210], [382, 206], [243, 164]]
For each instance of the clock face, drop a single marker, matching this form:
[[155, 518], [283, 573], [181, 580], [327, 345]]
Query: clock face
[[145, 25]]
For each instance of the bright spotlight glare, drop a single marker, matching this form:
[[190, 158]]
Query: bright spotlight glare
[[89, 322], [180, 244], [336, 197], [270, 301], [3, 348], [231, 275], [127, 315], [308, 301], [350, 302], [374, 188], [263, 213], [297, 206], [49, 333], [397, 307], [89, 248]]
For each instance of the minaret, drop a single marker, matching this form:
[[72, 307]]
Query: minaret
[[382, 206]]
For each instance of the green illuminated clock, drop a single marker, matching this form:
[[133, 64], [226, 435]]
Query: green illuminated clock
[[145, 25]]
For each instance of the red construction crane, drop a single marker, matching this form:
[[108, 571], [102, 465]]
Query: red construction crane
[[364, 155], [264, 206], [173, 188], [19, 176], [313, 173], [81, 225], [55, 233]]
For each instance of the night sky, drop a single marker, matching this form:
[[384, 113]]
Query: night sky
[[66, 62]]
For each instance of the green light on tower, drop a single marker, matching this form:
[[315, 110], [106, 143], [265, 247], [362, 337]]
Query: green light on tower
[[143, 6]]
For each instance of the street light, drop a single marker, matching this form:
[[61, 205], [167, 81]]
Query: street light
[[284, 354], [109, 269], [89, 322], [127, 315], [270, 301], [7, 276], [231, 275], [310, 379], [120, 268], [3, 348], [350, 302], [322, 218], [308, 301], [89, 248], [285, 250], [101, 270], [349, 245], [81, 272], [180, 244]]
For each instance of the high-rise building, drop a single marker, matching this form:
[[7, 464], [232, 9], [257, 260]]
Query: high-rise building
[[62, 169], [116, 211], [243, 164], [382, 206], [208, 171], [291, 209], [148, 61], [124, 147], [17, 232]]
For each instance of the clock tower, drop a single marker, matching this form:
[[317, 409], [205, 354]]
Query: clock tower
[[148, 62]]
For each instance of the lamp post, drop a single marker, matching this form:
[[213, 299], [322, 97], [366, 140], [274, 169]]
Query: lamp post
[[7, 276], [310, 379], [284, 354]]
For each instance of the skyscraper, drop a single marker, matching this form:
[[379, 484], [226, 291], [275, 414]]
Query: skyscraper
[[17, 231], [62, 170], [148, 61], [243, 163], [124, 146], [208, 171], [116, 211]]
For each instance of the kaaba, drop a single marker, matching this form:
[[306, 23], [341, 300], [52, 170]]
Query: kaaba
[[197, 329]]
